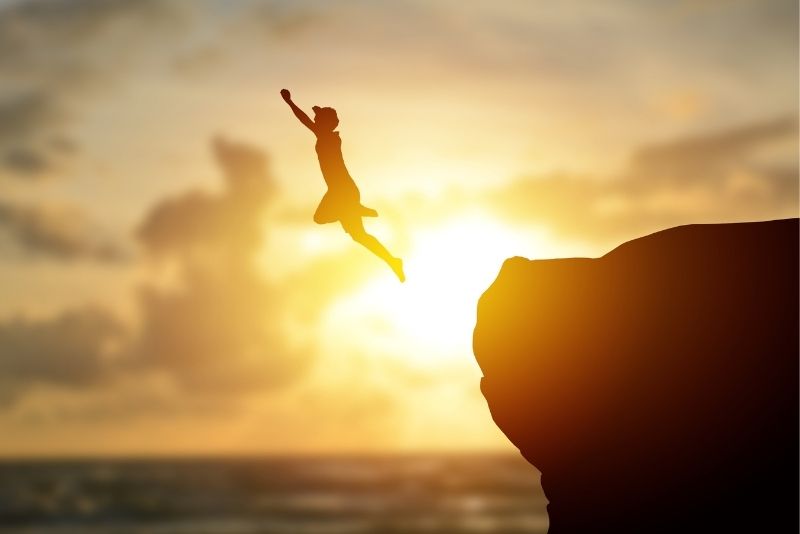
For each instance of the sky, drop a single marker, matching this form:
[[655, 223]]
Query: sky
[[163, 288]]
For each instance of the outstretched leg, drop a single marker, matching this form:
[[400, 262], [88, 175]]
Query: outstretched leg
[[355, 227], [326, 211], [367, 212]]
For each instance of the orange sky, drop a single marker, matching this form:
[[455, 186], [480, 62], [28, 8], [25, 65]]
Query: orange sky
[[156, 300]]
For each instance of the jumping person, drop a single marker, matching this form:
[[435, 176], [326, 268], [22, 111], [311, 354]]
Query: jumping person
[[342, 201]]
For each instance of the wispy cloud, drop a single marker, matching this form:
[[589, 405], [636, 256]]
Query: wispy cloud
[[53, 54], [56, 232], [74, 349], [741, 173], [216, 330], [219, 328]]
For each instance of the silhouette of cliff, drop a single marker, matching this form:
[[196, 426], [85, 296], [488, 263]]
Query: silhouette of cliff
[[655, 388]]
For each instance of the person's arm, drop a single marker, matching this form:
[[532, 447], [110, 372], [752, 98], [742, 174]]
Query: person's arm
[[299, 113]]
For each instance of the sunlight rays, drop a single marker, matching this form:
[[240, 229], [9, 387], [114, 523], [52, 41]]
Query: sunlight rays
[[429, 319]]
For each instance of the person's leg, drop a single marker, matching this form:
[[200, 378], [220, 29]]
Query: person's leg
[[354, 226], [367, 212], [326, 212]]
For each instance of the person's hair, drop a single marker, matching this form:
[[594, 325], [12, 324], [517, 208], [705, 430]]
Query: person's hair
[[325, 117]]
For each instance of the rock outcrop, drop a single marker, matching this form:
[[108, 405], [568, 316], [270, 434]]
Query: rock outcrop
[[655, 388]]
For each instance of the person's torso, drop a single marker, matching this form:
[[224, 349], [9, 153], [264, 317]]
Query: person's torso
[[331, 161]]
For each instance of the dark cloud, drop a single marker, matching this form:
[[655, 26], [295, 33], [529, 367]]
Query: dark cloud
[[25, 161], [22, 114], [217, 332], [74, 349], [52, 54], [744, 173], [220, 329], [230, 222], [242, 27], [59, 232], [22, 117], [63, 144], [57, 55], [285, 20], [708, 158]]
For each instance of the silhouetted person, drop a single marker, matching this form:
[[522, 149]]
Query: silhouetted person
[[342, 201]]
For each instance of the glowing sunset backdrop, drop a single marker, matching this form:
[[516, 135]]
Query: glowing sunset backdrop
[[163, 288]]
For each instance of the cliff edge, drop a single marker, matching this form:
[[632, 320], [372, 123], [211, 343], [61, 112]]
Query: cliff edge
[[656, 387]]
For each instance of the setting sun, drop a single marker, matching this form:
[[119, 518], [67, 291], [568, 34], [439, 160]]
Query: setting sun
[[431, 316]]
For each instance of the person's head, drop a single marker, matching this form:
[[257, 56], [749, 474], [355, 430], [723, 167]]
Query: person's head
[[325, 118]]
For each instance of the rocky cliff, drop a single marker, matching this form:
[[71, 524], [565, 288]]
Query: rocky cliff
[[656, 387]]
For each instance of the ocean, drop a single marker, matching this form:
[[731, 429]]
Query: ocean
[[458, 493]]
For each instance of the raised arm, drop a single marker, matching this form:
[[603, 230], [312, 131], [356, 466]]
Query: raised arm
[[299, 113]]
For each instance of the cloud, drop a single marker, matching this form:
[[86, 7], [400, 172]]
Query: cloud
[[53, 54], [22, 114], [216, 332], [25, 160], [58, 232], [743, 173], [708, 157], [22, 118], [74, 349], [58, 56], [286, 20], [219, 329]]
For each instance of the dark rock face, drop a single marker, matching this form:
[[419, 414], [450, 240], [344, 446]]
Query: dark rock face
[[655, 388]]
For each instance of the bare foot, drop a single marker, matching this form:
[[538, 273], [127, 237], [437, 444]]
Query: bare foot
[[397, 266], [368, 212]]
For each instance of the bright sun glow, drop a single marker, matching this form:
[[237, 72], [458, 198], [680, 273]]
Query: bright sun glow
[[430, 318]]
